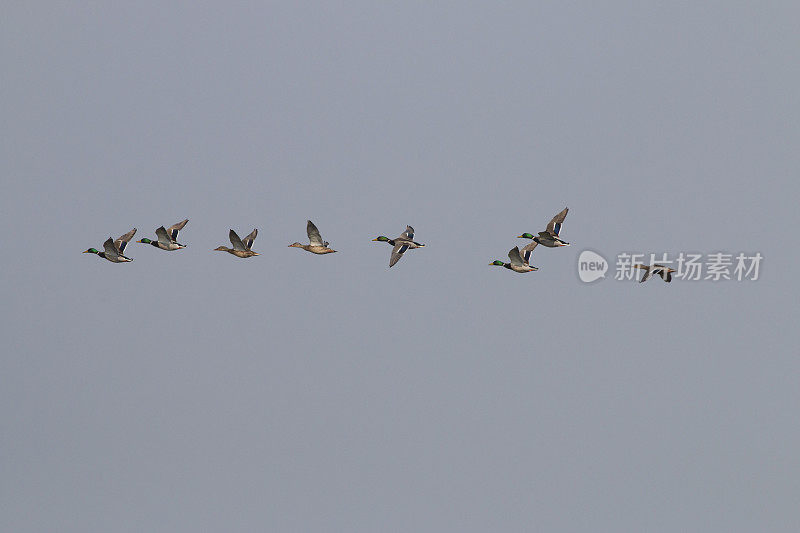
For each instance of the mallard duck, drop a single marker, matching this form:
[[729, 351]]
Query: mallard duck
[[518, 263], [240, 249], [400, 244], [167, 238], [550, 236], [114, 249], [317, 245], [658, 270]]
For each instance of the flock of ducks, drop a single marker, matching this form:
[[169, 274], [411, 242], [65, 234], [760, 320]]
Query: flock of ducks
[[114, 250], [519, 260]]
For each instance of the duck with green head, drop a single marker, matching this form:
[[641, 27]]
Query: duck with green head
[[518, 262], [240, 248], [400, 244], [167, 237], [550, 236], [113, 250]]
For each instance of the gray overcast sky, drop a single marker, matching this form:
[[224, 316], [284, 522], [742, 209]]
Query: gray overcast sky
[[193, 391]]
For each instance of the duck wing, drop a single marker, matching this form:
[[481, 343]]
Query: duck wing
[[554, 226], [111, 249], [313, 235], [397, 252], [173, 230], [661, 270], [516, 259], [122, 241], [236, 242], [163, 237], [248, 241], [408, 234], [526, 251]]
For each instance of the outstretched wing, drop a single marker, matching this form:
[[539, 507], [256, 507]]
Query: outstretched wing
[[236, 242], [313, 235], [111, 249], [662, 271], [408, 234], [175, 228], [554, 226], [528, 250], [647, 273], [162, 235], [397, 252], [122, 242], [248, 241], [516, 259]]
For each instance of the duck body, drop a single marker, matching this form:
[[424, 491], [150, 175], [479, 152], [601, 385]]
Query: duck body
[[238, 253], [112, 258], [168, 246], [319, 250], [516, 268], [551, 241]]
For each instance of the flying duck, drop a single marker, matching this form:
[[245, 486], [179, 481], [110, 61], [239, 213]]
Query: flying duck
[[316, 244], [658, 270], [240, 249], [114, 249], [167, 238], [518, 263], [550, 236], [400, 244]]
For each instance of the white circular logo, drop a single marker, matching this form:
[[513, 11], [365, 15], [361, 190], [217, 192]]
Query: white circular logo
[[591, 266]]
